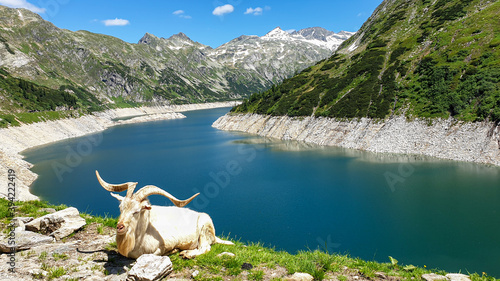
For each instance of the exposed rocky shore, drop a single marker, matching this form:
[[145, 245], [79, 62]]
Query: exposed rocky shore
[[14, 140], [448, 139]]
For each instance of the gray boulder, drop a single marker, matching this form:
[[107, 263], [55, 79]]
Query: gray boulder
[[59, 224], [457, 277], [433, 277], [24, 240], [150, 267], [300, 276]]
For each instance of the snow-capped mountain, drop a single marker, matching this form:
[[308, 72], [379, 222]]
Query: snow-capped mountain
[[279, 54], [314, 35], [322, 37]]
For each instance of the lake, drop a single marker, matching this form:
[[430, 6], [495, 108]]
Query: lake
[[292, 196]]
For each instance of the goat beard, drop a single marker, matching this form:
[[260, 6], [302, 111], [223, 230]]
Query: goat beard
[[125, 243]]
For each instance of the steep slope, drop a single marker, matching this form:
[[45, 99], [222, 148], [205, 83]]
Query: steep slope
[[266, 54], [418, 58]]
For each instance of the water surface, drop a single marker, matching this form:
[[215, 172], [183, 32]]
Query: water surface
[[419, 210]]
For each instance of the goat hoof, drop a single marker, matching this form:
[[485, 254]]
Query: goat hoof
[[185, 254]]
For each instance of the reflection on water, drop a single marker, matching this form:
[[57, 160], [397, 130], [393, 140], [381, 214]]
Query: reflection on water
[[366, 156]]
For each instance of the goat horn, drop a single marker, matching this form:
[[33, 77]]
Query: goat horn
[[151, 190], [129, 186]]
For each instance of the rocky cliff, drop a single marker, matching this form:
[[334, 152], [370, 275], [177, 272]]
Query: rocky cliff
[[443, 138]]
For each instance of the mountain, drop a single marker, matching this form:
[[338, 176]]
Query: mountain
[[174, 70], [266, 54], [322, 37], [417, 58], [88, 71]]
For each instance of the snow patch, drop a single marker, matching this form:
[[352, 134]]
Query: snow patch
[[20, 15]]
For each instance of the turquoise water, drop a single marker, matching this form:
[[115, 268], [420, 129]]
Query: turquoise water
[[421, 211]]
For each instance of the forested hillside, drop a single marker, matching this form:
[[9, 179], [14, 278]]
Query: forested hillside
[[421, 58]]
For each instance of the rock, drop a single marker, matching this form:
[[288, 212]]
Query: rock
[[195, 273], [48, 210], [150, 267], [300, 276], [93, 278], [38, 272], [24, 241], [433, 277], [18, 224], [114, 278], [24, 219], [380, 275], [59, 224], [246, 266], [457, 277], [228, 254]]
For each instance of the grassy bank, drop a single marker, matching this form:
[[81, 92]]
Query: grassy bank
[[251, 261]]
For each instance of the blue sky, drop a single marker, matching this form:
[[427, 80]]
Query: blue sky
[[210, 22]]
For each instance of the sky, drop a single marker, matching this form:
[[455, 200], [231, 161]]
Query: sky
[[210, 22]]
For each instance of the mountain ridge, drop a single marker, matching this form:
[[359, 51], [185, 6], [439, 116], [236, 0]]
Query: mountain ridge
[[90, 67], [265, 54]]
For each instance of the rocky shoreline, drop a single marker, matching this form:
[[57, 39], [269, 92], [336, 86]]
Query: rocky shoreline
[[442, 138], [14, 140]]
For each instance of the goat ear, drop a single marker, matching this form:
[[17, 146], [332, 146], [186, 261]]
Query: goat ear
[[120, 198], [146, 206]]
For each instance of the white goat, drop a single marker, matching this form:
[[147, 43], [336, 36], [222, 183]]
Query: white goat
[[160, 230]]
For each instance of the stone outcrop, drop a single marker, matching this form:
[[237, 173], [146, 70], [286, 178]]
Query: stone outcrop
[[448, 277], [150, 267], [299, 276], [59, 224], [447, 139], [24, 240]]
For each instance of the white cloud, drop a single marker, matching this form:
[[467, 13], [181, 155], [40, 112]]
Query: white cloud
[[181, 14], [256, 12], [22, 4], [116, 22], [221, 10]]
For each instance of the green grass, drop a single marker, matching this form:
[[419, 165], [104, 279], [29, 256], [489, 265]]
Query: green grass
[[42, 256], [58, 256], [55, 272], [316, 263], [101, 220]]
